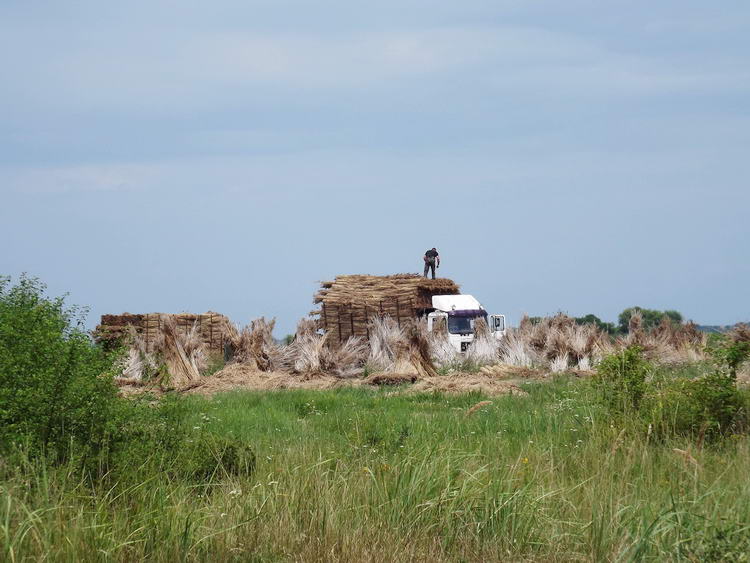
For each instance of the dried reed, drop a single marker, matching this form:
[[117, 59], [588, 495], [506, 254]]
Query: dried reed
[[484, 349], [182, 353]]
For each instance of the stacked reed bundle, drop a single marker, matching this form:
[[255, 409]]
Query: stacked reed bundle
[[349, 303], [403, 350], [309, 355], [211, 327], [175, 361], [253, 344], [669, 342], [557, 343], [183, 353]]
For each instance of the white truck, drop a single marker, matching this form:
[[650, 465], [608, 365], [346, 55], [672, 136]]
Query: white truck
[[460, 312]]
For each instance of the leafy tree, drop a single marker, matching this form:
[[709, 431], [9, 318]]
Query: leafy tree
[[592, 319], [651, 317]]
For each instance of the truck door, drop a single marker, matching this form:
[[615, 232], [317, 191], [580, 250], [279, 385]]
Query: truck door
[[432, 318], [498, 324]]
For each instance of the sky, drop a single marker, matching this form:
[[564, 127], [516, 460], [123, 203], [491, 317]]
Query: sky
[[578, 156]]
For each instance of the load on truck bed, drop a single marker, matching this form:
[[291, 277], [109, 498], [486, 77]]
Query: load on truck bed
[[349, 302]]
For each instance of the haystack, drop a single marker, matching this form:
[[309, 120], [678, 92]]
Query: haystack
[[349, 303]]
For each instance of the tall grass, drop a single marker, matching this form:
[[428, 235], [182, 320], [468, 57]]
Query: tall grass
[[359, 475]]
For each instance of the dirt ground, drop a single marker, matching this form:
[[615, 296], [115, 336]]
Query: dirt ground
[[501, 380]]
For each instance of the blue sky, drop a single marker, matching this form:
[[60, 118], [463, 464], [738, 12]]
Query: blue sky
[[185, 156]]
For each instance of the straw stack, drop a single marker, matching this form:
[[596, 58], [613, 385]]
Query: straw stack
[[349, 302], [211, 327]]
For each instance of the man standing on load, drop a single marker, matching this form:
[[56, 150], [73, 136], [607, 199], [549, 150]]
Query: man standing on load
[[431, 261]]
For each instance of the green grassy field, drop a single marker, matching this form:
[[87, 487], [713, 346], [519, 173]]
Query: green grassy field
[[378, 475]]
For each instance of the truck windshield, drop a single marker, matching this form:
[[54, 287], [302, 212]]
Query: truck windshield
[[460, 324]]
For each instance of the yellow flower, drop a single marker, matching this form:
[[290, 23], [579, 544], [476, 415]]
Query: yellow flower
[[525, 460]]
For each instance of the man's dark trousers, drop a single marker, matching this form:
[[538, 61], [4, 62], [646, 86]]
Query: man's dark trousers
[[429, 264]]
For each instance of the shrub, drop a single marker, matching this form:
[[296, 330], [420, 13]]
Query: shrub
[[56, 391], [667, 404], [621, 379], [730, 356], [58, 401]]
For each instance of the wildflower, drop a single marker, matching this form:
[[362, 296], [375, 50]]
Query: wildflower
[[525, 460]]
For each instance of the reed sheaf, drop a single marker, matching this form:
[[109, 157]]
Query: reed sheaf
[[180, 355], [559, 343]]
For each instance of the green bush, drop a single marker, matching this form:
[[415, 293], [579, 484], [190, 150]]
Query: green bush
[[58, 401], [56, 391], [709, 407], [621, 379], [664, 404]]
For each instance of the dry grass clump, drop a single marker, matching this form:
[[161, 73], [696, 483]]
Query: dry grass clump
[[315, 357], [516, 350], [138, 364], [183, 356], [557, 343], [484, 349], [442, 352], [668, 343], [402, 349], [386, 340], [419, 351], [253, 344], [309, 354]]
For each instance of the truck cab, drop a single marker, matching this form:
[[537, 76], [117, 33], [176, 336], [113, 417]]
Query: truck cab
[[460, 312]]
